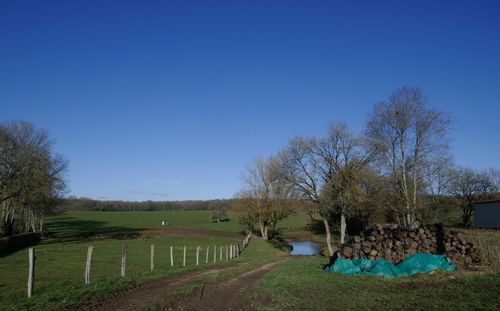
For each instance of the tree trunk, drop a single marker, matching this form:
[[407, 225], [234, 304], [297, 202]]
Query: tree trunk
[[263, 230], [414, 189], [328, 236], [404, 181], [467, 214], [41, 226], [343, 227]]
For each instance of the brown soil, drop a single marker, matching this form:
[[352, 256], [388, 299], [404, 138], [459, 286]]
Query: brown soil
[[181, 232], [231, 295], [143, 295]]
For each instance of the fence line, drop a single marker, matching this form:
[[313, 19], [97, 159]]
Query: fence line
[[232, 251]]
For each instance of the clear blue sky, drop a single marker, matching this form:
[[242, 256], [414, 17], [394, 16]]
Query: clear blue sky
[[168, 100]]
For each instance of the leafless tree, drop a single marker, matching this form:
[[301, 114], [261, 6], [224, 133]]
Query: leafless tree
[[469, 186], [494, 175], [342, 158], [326, 173], [31, 177], [302, 169], [264, 195], [408, 135]]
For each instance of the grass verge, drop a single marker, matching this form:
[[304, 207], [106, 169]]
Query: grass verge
[[301, 284]]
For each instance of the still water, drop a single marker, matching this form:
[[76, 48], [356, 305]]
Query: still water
[[305, 248]]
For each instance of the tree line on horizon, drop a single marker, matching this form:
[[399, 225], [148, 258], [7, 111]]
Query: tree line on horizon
[[398, 169], [73, 203]]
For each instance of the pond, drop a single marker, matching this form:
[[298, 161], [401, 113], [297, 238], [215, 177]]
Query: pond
[[305, 248]]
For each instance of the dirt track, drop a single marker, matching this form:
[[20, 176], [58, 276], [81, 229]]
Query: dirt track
[[144, 295], [225, 296], [184, 232]]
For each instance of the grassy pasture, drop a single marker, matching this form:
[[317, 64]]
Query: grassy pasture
[[95, 223], [60, 267], [301, 284], [60, 260], [86, 224], [298, 284]]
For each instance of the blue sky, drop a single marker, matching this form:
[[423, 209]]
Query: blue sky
[[168, 100]]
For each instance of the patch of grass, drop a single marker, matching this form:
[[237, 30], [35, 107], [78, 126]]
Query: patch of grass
[[78, 225], [84, 224], [257, 254], [60, 269], [301, 284], [488, 242], [61, 258]]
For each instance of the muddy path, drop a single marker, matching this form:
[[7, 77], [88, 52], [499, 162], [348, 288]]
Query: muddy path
[[186, 232], [146, 294], [230, 295]]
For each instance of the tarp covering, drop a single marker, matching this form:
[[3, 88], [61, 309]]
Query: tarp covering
[[417, 263]]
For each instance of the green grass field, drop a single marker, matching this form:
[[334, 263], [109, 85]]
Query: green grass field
[[82, 224], [60, 259], [60, 268], [301, 284], [298, 284]]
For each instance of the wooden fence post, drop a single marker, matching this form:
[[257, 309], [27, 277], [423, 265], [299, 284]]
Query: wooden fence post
[[124, 260], [220, 257], [197, 255], [31, 271], [227, 253], [152, 257], [215, 254], [171, 256], [184, 259], [206, 256], [87, 264], [237, 250], [230, 251]]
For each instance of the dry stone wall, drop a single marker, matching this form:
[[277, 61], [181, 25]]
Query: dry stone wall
[[396, 243]]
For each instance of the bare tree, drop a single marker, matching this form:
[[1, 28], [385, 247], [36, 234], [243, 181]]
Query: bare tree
[[438, 175], [342, 158], [31, 177], [494, 175], [219, 211], [301, 167], [326, 172], [408, 136], [264, 195], [468, 186]]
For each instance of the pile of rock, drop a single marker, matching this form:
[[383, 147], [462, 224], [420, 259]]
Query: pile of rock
[[396, 243]]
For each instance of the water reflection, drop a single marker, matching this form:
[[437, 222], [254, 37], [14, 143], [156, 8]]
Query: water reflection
[[305, 248]]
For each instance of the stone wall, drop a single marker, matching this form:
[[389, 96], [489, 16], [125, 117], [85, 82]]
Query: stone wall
[[397, 243]]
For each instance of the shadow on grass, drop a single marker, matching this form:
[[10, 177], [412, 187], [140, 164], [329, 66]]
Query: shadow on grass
[[68, 229], [316, 226]]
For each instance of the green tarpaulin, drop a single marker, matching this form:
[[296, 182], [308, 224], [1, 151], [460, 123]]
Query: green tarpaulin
[[417, 263]]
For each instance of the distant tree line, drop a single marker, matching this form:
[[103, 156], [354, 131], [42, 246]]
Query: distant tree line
[[85, 204], [31, 177], [398, 169]]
